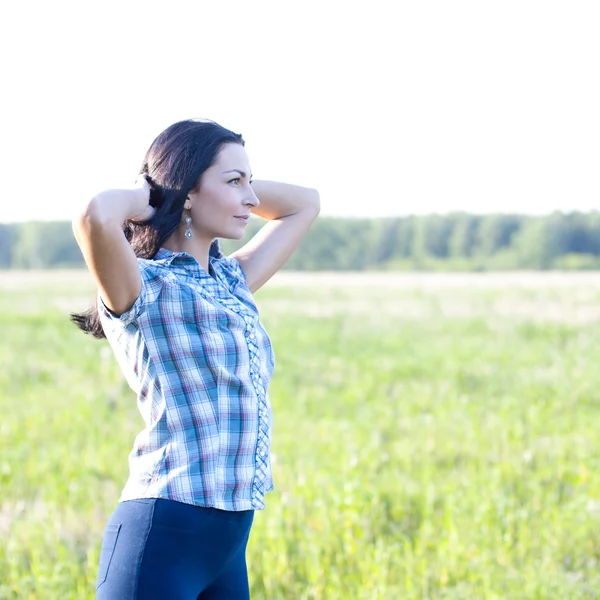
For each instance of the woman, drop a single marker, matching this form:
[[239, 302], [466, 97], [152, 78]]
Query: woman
[[183, 325]]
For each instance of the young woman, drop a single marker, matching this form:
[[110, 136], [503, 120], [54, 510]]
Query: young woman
[[184, 328]]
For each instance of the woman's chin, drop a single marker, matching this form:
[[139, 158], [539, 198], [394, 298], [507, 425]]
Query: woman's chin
[[234, 235]]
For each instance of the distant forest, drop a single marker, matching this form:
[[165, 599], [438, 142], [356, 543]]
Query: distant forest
[[449, 242]]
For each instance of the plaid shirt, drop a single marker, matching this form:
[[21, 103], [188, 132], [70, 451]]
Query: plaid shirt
[[193, 349]]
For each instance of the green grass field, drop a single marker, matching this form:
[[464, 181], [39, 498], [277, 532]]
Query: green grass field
[[436, 437]]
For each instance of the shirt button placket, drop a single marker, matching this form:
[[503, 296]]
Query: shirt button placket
[[263, 425]]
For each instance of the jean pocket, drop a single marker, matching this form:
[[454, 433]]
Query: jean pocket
[[109, 542]]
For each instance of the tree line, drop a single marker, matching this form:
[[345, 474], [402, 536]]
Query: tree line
[[451, 242]]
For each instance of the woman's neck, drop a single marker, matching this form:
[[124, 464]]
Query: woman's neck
[[197, 246]]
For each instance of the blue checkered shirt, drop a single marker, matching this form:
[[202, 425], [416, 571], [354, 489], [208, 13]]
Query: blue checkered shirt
[[193, 349]]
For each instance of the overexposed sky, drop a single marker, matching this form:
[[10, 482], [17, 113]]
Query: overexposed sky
[[387, 108]]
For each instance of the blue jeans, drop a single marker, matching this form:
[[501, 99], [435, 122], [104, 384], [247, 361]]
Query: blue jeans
[[155, 549]]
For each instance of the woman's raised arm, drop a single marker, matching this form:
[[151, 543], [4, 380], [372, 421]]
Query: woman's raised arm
[[291, 210], [98, 230]]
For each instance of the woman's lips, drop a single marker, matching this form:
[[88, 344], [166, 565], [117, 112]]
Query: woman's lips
[[244, 219]]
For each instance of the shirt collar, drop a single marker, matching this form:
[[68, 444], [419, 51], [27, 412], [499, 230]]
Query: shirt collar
[[219, 285], [189, 264], [166, 256]]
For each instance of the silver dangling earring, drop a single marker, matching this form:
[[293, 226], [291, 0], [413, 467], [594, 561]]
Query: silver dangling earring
[[188, 222]]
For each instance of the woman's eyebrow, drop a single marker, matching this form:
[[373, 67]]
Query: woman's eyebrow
[[237, 171]]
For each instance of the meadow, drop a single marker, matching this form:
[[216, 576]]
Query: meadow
[[436, 437]]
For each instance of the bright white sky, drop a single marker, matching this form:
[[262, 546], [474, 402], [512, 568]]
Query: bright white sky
[[386, 107]]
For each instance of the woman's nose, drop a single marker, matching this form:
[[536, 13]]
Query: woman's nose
[[252, 199]]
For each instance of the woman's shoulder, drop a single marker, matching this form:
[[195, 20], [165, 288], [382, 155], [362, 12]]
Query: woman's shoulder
[[231, 267]]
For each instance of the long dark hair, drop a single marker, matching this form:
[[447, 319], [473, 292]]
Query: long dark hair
[[173, 166]]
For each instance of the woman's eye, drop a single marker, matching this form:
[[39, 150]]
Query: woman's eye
[[232, 180]]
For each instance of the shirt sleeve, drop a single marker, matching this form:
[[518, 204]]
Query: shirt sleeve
[[151, 287]]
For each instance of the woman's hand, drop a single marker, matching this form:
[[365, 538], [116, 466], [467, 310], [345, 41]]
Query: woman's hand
[[142, 191]]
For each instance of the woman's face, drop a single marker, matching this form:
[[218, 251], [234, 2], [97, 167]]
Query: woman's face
[[221, 206]]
